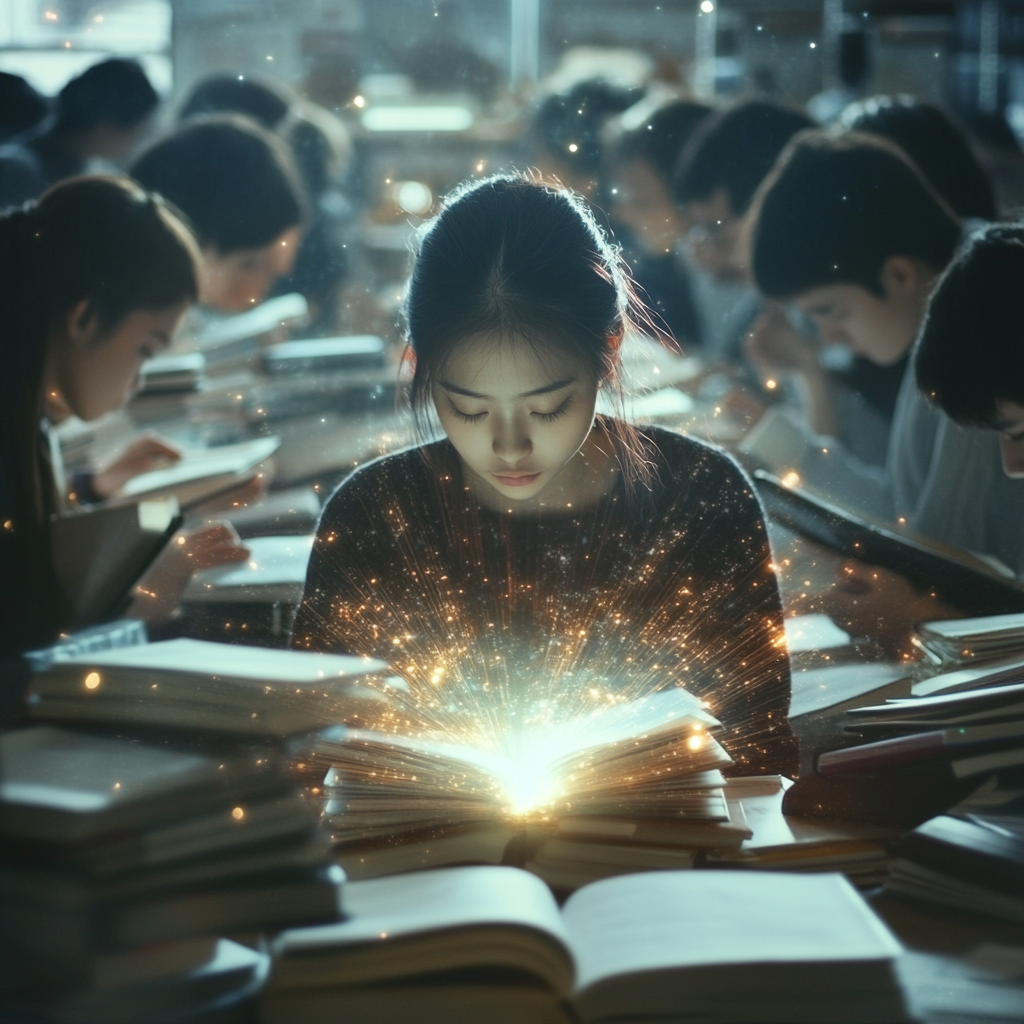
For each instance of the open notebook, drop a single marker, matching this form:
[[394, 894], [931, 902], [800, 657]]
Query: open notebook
[[201, 473], [489, 943]]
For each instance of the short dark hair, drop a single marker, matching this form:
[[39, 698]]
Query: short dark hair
[[21, 107], [836, 208], [735, 149], [936, 142], [265, 101], [115, 92], [662, 136], [576, 119], [970, 352], [233, 180]]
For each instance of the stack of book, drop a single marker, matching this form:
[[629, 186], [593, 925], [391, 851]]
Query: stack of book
[[223, 688], [628, 787], [315, 355], [491, 944], [922, 756], [124, 863], [956, 642], [172, 374], [973, 864]]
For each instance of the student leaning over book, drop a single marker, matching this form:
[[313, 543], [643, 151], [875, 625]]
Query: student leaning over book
[[93, 280], [537, 540]]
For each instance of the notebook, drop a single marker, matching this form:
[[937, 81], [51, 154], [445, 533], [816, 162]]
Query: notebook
[[201, 473], [674, 945], [196, 684], [101, 553]]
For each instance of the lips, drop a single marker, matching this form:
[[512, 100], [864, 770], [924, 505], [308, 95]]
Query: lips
[[515, 479]]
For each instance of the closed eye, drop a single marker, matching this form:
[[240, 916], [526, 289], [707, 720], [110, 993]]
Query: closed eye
[[467, 417], [547, 417]]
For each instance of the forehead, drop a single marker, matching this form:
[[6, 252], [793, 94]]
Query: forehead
[[1009, 415], [830, 295], [509, 366]]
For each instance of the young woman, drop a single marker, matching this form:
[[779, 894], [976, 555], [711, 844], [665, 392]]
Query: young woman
[[539, 548], [93, 280]]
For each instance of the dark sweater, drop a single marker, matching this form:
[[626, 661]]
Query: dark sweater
[[674, 587]]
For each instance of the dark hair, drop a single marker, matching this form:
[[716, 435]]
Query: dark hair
[[662, 136], [99, 239], [265, 101], [836, 208], [115, 92], [21, 107], [526, 262], [935, 142], [234, 181], [734, 150], [576, 119], [970, 353]]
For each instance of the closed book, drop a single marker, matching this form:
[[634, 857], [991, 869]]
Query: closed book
[[314, 355], [667, 945]]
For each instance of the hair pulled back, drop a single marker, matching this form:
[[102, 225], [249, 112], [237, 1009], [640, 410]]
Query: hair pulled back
[[98, 239], [523, 262]]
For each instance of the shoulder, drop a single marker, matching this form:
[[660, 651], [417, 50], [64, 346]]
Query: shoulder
[[681, 458], [400, 477]]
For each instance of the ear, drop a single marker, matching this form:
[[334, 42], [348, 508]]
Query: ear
[[901, 277], [80, 324]]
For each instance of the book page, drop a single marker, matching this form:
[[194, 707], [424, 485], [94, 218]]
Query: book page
[[202, 657], [656, 922], [385, 911]]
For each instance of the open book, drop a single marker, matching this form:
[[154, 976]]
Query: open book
[[489, 943], [202, 473], [100, 553], [654, 756]]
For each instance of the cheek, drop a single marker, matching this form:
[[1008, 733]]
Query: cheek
[[1013, 457]]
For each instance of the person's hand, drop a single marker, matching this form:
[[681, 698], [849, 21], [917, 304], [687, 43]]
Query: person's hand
[[142, 455], [775, 347], [157, 593], [230, 501], [868, 600]]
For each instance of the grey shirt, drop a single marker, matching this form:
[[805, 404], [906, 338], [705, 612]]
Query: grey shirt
[[943, 481]]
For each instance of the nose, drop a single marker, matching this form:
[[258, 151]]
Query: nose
[[1013, 457], [510, 440]]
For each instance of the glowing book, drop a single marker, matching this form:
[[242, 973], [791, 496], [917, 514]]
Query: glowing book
[[654, 757]]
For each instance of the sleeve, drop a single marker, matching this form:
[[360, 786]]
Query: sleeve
[[342, 609], [734, 647]]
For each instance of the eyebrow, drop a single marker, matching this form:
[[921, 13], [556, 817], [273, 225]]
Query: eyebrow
[[547, 389]]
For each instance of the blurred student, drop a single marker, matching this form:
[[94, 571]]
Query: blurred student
[[969, 359], [862, 396], [100, 117], [719, 171], [237, 185], [567, 134], [93, 281], [850, 232], [642, 160], [321, 149]]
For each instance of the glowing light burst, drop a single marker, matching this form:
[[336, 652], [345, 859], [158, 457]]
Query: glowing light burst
[[501, 636]]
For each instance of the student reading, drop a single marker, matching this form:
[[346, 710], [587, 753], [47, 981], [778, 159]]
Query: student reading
[[93, 280], [536, 539]]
